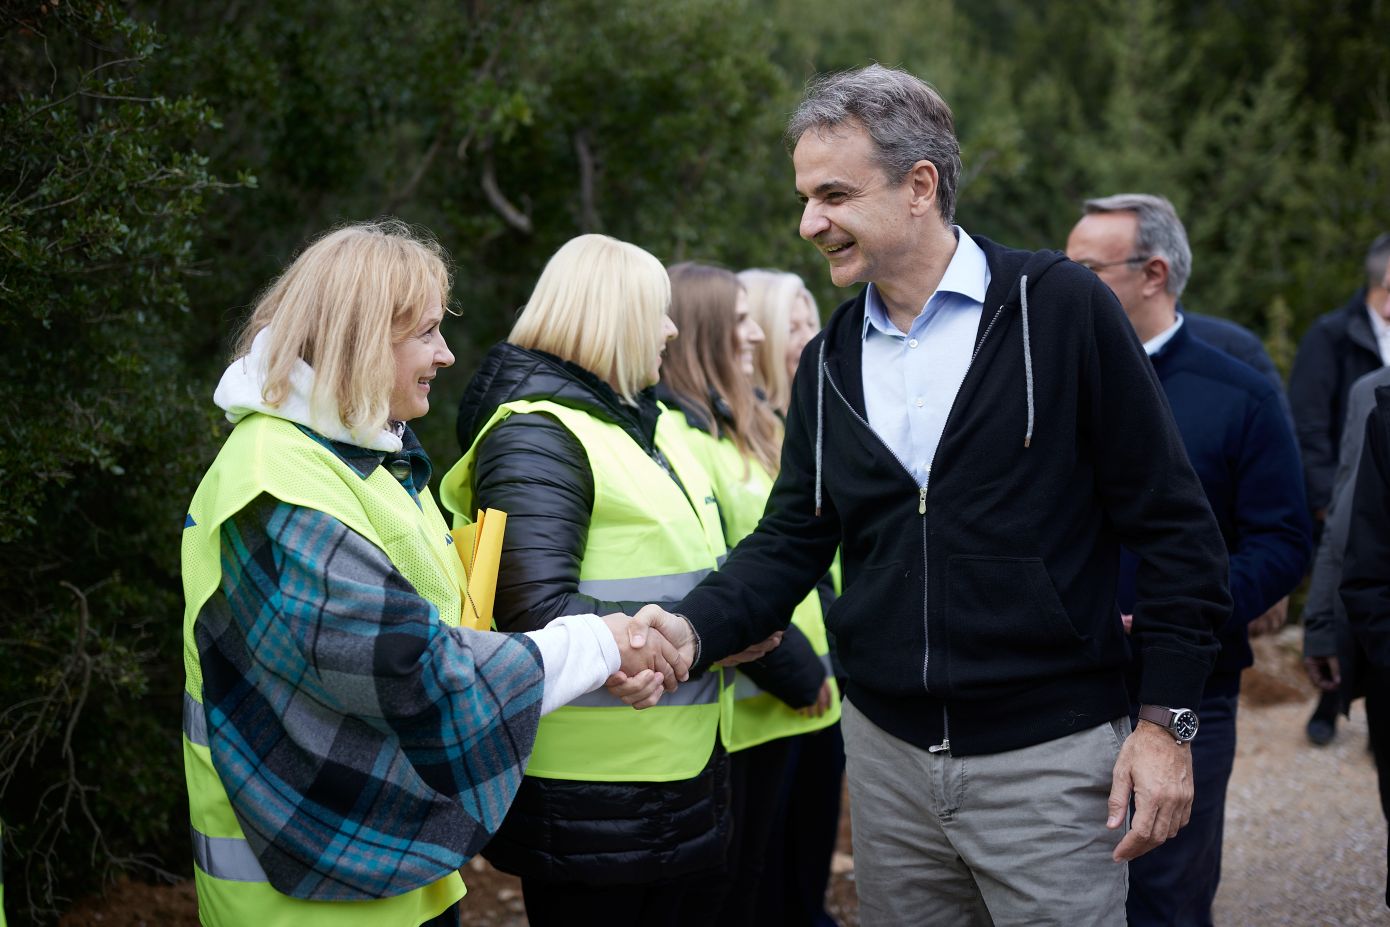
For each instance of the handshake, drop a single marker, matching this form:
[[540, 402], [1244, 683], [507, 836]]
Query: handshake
[[658, 649]]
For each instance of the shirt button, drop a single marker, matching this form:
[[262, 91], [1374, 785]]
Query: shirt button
[[920, 402], [912, 343]]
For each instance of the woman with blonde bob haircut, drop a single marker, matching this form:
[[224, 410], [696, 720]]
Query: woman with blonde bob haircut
[[607, 511], [786, 312], [347, 745]]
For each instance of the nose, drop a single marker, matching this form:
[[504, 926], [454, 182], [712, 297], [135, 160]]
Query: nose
[[443, 357], [813, 222], [668, 328], [755, 333]]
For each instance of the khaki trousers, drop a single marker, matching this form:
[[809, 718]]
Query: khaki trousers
[[1011, 838]]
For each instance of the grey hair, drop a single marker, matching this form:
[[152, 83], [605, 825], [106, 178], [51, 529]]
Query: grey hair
[[1377, 259], [1160, 232], [905, 117]]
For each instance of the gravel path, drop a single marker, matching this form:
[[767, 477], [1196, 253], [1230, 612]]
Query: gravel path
[[1305, 838]]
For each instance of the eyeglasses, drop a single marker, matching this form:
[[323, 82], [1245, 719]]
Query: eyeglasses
[[1094, 266]]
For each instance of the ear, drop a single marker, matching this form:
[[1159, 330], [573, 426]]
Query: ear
[[923, 181], [1155, 271]]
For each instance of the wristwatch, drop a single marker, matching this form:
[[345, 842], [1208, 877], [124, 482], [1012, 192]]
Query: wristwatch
[[1180, 722]]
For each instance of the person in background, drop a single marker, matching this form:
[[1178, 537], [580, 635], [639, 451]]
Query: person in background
[[797, 873], [1338, 349], [1365, 587], [620, 814], [1240, 443], [347, 747], [707, 385]]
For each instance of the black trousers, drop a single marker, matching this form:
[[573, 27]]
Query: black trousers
[[690, 901], [756, 775], [1377, 688]]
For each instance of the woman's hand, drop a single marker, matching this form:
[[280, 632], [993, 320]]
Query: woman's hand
[[821, 705], [641, 691]]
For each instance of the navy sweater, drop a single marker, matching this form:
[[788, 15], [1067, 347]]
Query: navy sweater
[[1239, 442], [980, 608]]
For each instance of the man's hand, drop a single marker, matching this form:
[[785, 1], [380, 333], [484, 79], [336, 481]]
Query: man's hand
[[821, 705], [1325, 672], [756, 652], [644, 644], [641, 691], [1271, 620], [1158, 771]]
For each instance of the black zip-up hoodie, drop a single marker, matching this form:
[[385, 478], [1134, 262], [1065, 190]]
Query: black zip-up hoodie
[[978, 609]]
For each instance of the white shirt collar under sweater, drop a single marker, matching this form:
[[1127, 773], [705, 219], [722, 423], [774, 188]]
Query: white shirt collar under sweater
[[240, 393]]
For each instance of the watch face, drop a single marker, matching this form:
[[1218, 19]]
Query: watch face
[[1185, 725]]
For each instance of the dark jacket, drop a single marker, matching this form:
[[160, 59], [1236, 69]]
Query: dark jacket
[[533, 468], [1242, 448], [1242, 344], [1366, 572], [1325, 629], [1338, 350], [985, 601]]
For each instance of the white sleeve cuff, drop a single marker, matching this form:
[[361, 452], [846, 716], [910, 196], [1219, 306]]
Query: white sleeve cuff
[[578, 653]]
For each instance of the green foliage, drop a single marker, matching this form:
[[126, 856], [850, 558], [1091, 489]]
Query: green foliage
[[506, 127], [98, 232]]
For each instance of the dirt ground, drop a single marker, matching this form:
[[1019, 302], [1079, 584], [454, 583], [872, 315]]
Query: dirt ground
[[1305, 839]]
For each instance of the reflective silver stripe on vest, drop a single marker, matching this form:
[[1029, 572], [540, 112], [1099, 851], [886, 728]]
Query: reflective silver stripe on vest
[[747, 688], [195, 722], [664, 588], [702, 691], [227, 858]]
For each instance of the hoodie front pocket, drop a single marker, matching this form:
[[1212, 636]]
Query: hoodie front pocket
[[1005, 623]]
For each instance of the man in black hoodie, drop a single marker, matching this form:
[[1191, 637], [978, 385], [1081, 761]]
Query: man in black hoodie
[[978, 432]]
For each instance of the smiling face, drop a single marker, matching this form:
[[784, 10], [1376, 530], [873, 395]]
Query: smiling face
[[748, 334], [854, 215], [418, 358]]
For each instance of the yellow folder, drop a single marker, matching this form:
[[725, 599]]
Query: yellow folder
[[479, 546]]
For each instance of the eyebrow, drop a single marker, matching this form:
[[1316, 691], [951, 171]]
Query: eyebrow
[[827, 186]]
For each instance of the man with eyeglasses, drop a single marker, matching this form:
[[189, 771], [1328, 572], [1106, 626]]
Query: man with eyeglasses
[[1239, 441]]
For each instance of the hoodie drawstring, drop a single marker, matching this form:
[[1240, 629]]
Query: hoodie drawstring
[[820, 419], [1027, 357]]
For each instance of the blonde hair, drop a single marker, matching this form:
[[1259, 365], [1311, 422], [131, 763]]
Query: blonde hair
[[339, 307], [702, 366], [599, 303], [771, 296]]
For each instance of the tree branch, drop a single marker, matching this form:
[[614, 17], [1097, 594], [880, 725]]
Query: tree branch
[[589, 220], [513, 216]]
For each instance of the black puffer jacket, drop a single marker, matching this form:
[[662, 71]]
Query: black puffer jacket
[[532, 468]]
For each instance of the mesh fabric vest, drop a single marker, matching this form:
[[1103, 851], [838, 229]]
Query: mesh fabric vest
[[264, 454], [648, 542], [748, 715]]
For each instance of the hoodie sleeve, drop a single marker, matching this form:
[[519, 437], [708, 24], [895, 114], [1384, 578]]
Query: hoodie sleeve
[[775, 567], [1158, 510]]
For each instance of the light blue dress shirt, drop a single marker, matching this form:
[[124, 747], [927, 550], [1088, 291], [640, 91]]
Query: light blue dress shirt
[[911, 379]]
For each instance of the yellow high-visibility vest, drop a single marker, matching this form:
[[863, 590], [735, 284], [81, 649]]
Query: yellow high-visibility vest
[[750, 716], [648, 542], [264, 454]]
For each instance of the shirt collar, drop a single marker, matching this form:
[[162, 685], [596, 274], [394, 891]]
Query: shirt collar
[[1156, 343], [966, 275]]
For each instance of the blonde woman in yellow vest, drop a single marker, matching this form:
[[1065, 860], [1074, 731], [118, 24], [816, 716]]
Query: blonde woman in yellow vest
[[347, 746], [621, 814], [707, 381]]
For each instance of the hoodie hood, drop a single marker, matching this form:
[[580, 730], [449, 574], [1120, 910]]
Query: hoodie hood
[[241, 392], [508, 373], [1011, 273]]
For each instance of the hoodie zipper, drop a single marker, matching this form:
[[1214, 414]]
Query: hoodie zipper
[[945, 745]]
